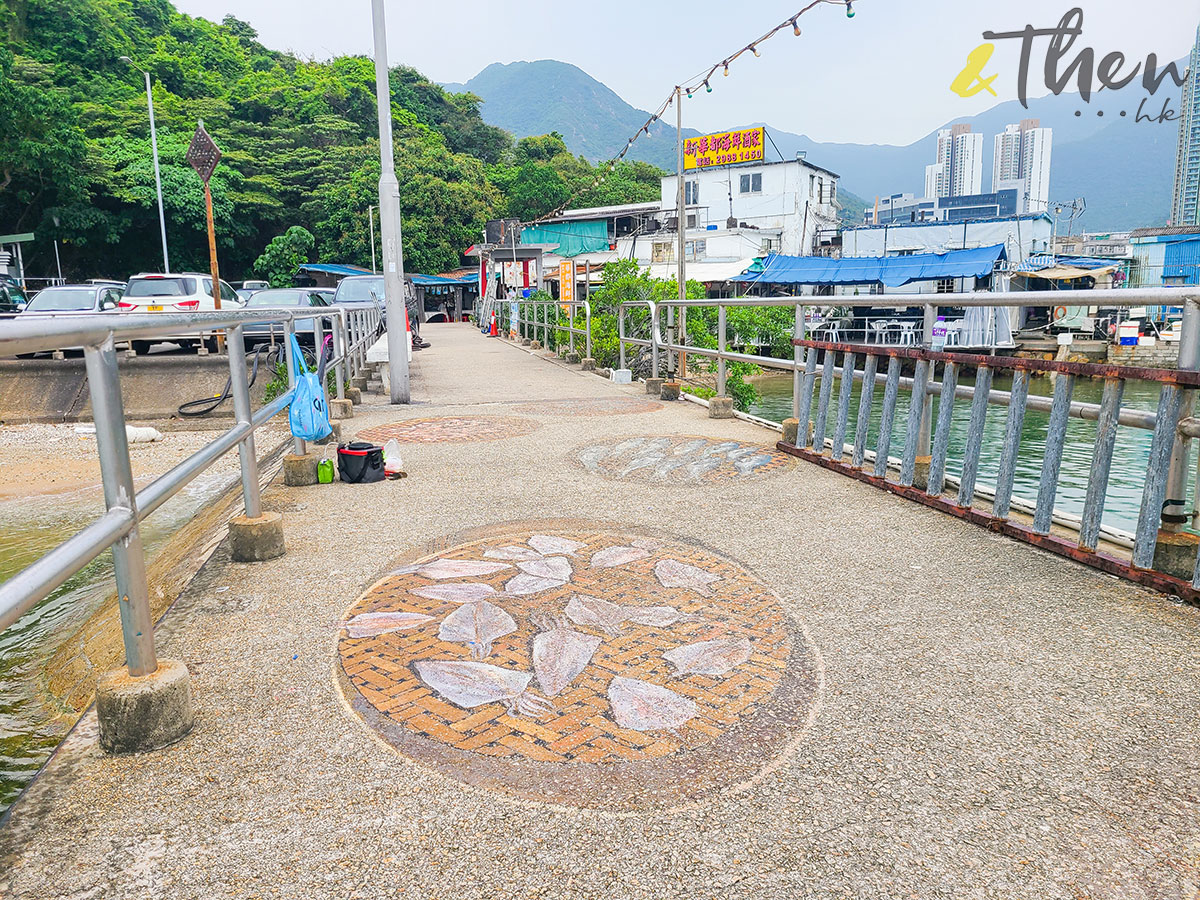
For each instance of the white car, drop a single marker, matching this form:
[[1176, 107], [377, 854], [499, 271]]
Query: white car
[[182, 293]]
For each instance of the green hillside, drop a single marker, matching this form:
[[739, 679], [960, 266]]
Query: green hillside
[[299, 139]]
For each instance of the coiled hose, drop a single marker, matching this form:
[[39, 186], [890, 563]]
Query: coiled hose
[[207, 405]]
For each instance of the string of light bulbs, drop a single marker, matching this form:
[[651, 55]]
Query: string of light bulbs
[[693, 85]]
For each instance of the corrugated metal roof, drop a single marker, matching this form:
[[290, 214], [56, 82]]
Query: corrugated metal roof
[[1164, 231], [334, 269], [892, 271]]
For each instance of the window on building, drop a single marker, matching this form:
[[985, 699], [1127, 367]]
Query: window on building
[[945, 286], [812, 185], [691, 221], [691, 193], [751, 184], [695, 249], [770, 245], [823, 290], [820, 190], [662, 251]]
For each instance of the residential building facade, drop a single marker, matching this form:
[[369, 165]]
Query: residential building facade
[[1022, 162], [958, 167], [1185, 207]]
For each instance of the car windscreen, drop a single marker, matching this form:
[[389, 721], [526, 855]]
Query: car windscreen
[[277, 298], [356, 290], [161, 287], [62, 300]]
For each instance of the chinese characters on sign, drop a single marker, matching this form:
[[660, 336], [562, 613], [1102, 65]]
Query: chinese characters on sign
[[566, 284], [723, 149]]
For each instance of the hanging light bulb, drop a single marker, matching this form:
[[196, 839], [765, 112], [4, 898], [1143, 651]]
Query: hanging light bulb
[[726, 68], [689, 93], [849, 9], [707, 86], [795, 28], [754, 50]]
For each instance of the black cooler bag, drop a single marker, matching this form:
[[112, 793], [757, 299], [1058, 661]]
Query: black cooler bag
[[360, 462]]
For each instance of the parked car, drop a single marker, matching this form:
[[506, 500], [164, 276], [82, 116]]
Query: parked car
[[285, 298], [76, 299], [73, 300], [182, 293], [366, 289], [12, 298]]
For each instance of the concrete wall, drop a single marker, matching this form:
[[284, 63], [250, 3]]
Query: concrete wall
[[152, 387], [1162, 355]]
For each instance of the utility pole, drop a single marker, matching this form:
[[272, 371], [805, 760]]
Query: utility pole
[[371, 230], [389, 221], [162, 218], [682, 206]]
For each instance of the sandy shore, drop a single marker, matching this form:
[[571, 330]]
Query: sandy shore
[[48, 459]]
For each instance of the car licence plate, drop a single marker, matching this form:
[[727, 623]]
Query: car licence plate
[[154, 308]]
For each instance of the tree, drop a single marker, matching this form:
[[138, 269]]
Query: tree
[[284, 255]]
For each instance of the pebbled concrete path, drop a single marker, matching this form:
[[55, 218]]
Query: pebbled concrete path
[[968, 717]]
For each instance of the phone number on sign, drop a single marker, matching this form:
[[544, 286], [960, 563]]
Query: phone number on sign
[[723, 159]]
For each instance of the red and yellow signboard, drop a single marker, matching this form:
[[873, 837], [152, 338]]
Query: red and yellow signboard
[[566, 284], [723, 149]]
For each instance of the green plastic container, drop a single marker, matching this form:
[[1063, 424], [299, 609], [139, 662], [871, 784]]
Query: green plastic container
[[325, 471]]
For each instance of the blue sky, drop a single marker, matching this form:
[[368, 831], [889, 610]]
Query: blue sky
[[881, 77]]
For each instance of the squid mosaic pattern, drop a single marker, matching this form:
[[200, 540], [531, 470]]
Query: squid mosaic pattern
[[679, 459], [589, 668], [608, 406], [449, 430]]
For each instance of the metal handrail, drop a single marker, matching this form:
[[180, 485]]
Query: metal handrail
[[354, 329], [1165, 487]]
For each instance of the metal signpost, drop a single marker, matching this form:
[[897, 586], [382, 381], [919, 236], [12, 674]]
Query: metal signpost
[[203, 156]]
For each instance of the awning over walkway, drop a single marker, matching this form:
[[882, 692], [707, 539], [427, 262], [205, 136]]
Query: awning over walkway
[[892, 271], [572, 238]]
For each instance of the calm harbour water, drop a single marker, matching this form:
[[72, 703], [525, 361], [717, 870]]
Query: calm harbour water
[[1132, 451]]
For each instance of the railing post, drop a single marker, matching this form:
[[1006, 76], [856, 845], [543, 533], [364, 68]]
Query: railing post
[[129, 561], [721, 349], [571, 326], [298, 446], [587, 312], [338, 324], [654, 339], [239, 386], [671, 339], [1174, 513], [621, 336], [797, 359]]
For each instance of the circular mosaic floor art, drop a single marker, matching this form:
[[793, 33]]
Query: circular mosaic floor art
[[680, 459], [596, 669], [449, 429], [606, 406]]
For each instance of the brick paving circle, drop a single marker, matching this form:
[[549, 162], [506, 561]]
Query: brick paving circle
[[589, 668], [449, 430], [607, 406], [679, 459]]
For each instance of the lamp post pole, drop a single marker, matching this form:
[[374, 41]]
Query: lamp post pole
[[162, 218], [682, 203], [389, 221]]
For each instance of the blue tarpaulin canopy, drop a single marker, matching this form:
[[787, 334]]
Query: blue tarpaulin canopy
[[572, 238], [891, 271]]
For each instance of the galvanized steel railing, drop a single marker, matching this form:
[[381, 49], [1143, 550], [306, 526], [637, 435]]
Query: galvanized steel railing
[[824, 425], [354, 329], [527, 326]]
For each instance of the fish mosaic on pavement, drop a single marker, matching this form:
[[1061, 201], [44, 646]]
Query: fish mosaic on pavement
[[601, 406], [679, 459], [595, 669], [449, 430]]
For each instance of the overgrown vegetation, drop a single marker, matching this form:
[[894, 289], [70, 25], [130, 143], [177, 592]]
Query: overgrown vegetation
[[299, 139]]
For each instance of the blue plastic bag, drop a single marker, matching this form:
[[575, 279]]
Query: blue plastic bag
[[308, 414]]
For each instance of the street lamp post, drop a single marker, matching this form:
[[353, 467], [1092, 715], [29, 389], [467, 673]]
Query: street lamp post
[[162, 218], [389, 220]]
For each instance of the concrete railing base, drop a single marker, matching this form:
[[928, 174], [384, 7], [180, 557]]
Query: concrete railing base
[[573, 358], [720, 408], [1175, 553], [341, 409], [620, 376], [299, 471], [146, 713], [669, 390], [588, 364], [358, 382], [921, 474], [354, 394], [654, 386], [791, 431], [256, 540], [535, 345]]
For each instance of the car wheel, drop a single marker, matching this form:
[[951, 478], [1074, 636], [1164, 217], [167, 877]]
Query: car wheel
[[141, 348], [211, 344]]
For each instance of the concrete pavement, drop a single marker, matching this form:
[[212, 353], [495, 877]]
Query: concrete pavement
[[797, 686]]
